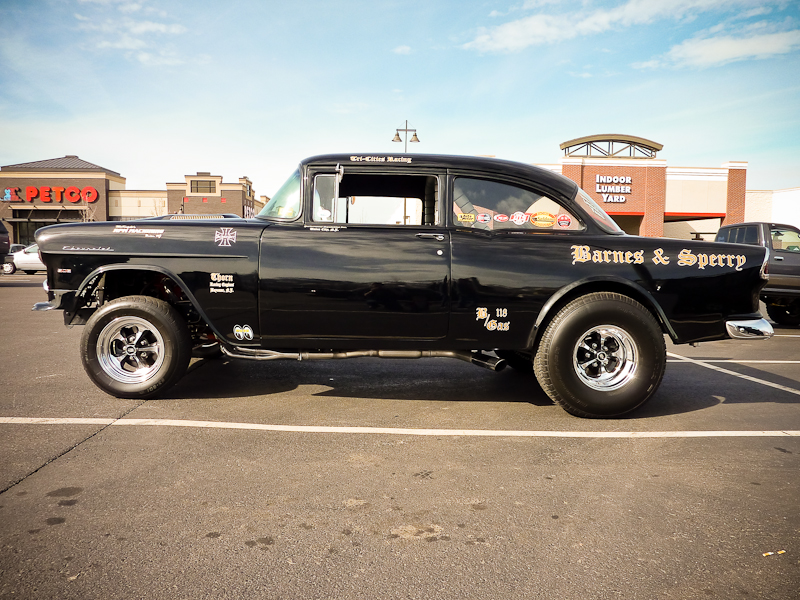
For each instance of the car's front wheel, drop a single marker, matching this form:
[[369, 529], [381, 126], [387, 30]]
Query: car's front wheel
[[9, 268], [135, 347], [602, 355]]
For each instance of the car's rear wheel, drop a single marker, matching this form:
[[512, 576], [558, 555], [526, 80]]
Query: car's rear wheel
[[602, 355], [787, 314], [135, 347]]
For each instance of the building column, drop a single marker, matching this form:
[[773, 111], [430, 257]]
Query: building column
[[655, 195], [572, 168], [737, 183]]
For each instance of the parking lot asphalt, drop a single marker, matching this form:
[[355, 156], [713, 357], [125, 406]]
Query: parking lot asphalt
[[377, 478]]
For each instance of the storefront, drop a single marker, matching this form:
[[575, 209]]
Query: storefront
[[69, 189], [60, 190], [647, 197]]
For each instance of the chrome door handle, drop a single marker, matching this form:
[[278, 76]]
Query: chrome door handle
[[431, 236], [778, 258]]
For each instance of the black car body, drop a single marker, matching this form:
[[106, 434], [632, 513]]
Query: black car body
[[403, 256], [782, 293]]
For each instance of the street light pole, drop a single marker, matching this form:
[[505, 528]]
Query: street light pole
[[397, 138], [414, 139]]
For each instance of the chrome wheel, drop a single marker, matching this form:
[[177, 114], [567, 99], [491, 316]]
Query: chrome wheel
[[605, 358], [130, 349]]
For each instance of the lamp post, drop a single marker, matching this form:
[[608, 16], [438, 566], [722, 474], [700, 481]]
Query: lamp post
[[413, 139]]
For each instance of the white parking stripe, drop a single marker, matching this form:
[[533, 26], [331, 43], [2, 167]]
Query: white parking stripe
[[746, 362], [393, 430], [706, 364]]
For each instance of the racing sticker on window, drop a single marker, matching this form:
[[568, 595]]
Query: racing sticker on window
[[518, 218], [543, 219], [490, 323], [564, 220], [500, 218], [466, 218], [243, 332], [685, 258], [225, 236], [221, 283]]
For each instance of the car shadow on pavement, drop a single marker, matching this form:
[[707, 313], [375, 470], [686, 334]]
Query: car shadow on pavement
[[425, 379], [686, 387]]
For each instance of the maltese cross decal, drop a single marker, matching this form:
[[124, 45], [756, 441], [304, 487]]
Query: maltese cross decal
[[225, 236]]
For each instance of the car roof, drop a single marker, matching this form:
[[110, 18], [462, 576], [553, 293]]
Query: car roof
[[770, 223], [486, 165]]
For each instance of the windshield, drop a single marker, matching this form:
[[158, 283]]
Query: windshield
[[597, 214], [285, 204]]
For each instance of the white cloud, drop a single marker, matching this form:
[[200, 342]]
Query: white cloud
[[726, 49], [124, 42], [136, 37], [154, 60], [402, 50], [549, 27], [140, 27], [130, 7]]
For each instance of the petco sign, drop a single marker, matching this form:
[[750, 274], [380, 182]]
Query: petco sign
[[51, 194]]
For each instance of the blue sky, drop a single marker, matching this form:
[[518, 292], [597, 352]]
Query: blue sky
[[159, 89]]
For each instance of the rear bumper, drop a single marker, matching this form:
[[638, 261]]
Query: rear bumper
[[749, 329]]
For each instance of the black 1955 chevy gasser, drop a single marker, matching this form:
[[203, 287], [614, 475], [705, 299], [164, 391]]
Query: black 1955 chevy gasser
[[399, 256]]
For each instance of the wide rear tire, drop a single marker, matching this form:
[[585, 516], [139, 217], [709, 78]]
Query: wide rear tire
[[135, 347], [602, 355]]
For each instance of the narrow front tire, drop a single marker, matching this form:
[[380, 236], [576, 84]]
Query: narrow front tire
[[135, 347]]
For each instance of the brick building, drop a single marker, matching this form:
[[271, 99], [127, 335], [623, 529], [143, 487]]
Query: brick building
[[647, 197], [69, 189]]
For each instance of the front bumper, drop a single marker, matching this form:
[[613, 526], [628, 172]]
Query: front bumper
[[749, 329]]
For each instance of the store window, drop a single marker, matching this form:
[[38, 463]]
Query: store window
[[494, 206], [200, 186]]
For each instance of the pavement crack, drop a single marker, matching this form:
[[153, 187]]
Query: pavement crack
[[53, 459]]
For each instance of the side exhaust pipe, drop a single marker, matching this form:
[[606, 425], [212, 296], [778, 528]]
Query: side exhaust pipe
[[476, 358]]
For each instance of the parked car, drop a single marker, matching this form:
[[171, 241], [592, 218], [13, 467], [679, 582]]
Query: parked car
[[403, 256], [8, 264], [4, 241], [782, 293], [26, 260]]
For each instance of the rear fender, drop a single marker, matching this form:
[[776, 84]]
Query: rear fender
[[598, 284]]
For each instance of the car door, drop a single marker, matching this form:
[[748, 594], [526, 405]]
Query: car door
[[510, 248], [28, 259], [369, 262], [784, 260]]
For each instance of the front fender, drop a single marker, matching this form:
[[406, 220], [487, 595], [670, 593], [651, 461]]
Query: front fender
[[73, 302]]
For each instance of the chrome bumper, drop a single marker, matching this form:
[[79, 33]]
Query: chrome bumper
[[750, 329]]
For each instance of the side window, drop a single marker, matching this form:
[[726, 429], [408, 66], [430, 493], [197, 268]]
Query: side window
[[723, 234], [750, 235], [493, 206], [787, 240], [376, 199]]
